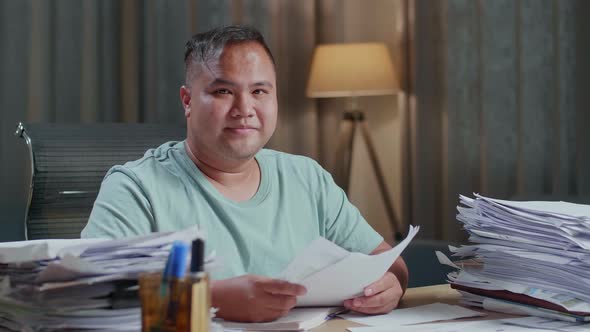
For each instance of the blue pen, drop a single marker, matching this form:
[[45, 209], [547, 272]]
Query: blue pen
[[166, 274], [173, 273], [179, 255], [337, 313]]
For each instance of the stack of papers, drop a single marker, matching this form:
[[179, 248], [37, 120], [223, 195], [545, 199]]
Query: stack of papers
[[88, 284], [526, 257]]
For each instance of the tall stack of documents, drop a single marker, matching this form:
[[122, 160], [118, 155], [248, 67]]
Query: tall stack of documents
[[525, 257], [79, 284]]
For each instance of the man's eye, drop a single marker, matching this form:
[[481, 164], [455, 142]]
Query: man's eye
[[259, 92], [222, 92]]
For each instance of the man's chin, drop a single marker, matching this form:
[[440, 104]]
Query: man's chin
[[242, 150], [242, 154]]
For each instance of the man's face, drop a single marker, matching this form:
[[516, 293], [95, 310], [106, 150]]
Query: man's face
[[231, 106]]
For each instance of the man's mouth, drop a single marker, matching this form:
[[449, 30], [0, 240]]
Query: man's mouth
[[241, 129]]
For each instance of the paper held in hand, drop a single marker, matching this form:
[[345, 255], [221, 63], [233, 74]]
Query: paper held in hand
[[325, 269]]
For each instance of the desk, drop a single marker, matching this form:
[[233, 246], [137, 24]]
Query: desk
[[414, 297]]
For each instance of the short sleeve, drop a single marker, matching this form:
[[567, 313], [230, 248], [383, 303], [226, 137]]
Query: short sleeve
[[121, 208], [344, 224]]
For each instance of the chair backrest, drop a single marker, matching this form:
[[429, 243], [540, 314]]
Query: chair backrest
[[68, 163]]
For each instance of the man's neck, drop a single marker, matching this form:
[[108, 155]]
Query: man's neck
[[238, 182]]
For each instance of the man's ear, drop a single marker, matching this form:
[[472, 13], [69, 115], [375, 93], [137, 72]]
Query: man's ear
[[185, 99]]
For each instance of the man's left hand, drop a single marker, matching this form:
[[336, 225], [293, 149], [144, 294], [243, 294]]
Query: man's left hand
[[380, 297]]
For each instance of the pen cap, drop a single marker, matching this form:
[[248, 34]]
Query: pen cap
[[178, 254], [198, 255]]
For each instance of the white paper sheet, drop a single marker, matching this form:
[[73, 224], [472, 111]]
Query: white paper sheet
[[37, 250], [558, 209], [479, 326], [317, 256], [545, 323], [298, 319], [415, 315], [348, 277]]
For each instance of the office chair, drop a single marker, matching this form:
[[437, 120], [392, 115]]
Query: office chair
[[67, 163]]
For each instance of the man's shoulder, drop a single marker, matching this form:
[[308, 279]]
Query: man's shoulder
[[153, 161]]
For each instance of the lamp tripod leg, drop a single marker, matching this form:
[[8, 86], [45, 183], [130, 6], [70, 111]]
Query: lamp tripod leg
[[344, 153], [395, 224]]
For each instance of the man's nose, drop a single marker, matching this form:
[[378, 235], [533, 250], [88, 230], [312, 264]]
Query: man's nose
[[243, 107]]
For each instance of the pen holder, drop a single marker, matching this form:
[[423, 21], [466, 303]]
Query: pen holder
[[183, 305]]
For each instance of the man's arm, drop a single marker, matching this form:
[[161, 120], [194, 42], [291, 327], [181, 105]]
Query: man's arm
[[383, 295], [399, 268], [120, 210]]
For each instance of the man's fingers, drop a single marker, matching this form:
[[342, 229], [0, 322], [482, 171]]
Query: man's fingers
[[276, 313], [269, 315], [388, 280], [282, 287], [279, 302], [373, 310], [382, 299], [378, 304]]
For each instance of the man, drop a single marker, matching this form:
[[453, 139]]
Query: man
[[258, 207]]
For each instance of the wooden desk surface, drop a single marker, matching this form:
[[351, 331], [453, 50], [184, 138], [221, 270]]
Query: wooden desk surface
[[413, 297], [429, 294]]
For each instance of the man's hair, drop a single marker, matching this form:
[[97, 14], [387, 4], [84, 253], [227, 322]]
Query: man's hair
[[207, 46]]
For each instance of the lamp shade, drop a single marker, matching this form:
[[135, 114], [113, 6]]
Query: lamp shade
[[350, 70]]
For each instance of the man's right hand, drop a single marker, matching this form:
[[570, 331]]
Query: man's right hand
[[252, 298]]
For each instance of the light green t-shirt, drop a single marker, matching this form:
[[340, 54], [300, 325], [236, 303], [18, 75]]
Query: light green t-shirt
[[297, 201]]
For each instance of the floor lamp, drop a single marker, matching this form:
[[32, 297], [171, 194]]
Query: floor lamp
[[355, 70]]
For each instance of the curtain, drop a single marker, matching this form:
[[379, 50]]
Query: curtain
[[493, 96], [498, 105], [72, 61]]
